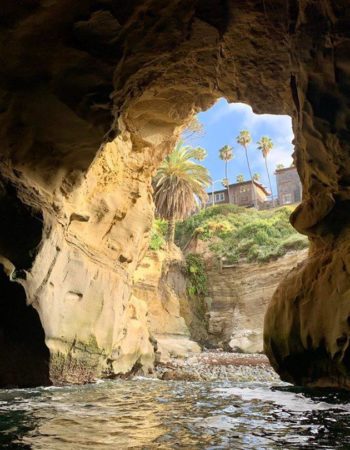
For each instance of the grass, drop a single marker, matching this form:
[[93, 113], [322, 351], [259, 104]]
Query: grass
[[238, 234]]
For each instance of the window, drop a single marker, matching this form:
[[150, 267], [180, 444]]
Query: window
[[219, 197], [297, 195], [243, 189], [286, 198]]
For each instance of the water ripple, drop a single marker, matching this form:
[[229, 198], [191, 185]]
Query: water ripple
[[148, 414]]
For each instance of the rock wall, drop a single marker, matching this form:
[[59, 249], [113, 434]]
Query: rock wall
[[93, 93], [92, 96], [238, 297], [160, 283], [307, 322]]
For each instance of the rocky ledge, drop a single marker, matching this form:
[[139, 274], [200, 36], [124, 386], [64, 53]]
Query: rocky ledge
[[217, 365]]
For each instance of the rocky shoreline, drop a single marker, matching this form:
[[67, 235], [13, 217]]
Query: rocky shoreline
[[217, 365]]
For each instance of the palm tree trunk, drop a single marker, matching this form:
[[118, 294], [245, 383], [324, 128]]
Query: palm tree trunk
[[171, 231], [226, 179], [268, 176], [251, 178]]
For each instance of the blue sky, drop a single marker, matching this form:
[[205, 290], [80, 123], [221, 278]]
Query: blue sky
[[223, 122]]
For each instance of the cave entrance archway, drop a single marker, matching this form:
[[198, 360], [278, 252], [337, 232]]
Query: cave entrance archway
[[160, 62], [246, 252]]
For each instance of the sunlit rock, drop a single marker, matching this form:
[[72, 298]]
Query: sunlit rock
[[160, 282], [94, 94]]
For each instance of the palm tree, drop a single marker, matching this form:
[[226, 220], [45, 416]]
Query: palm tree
[[199, 153], [256, 177], [244, 139], [240, 178], [193, 131], [226, 154], [225, 182], [179, 185], [265, 146]]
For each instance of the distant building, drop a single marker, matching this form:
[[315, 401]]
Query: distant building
[[240, 194], [288, 186]]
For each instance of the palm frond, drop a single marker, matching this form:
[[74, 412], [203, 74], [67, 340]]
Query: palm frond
[[226, 153], [265, 145], [180, 183], [244, 138]]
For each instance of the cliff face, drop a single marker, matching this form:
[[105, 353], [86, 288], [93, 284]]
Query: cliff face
[[92, 95], [238, 297], [160, 283]]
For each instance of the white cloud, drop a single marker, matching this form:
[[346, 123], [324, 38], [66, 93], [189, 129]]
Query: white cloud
[[280, 156], [226, 109], [281, 125], [277, 126]]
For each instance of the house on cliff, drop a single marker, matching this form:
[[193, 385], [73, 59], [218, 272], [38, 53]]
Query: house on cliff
[[288, 185], [240, 194], [289, 191]]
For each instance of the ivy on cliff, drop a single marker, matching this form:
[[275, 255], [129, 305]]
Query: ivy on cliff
[[196, 276]]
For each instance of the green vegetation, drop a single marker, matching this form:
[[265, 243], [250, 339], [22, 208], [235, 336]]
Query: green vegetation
[[180, 185], [239, 234], [196, 276], [158, 234]]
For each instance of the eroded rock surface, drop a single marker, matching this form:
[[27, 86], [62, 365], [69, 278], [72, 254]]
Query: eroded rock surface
[[306, 325], [238, 298], [160, 283], [307, 322], [94, 93]]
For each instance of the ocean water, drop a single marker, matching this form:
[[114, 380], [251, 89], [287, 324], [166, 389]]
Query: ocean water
[[151, 414]]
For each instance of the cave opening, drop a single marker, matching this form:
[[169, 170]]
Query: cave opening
[[244, 250], [24, 357], [220, 125]]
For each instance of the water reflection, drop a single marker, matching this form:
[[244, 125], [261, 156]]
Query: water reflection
[[149, 414]]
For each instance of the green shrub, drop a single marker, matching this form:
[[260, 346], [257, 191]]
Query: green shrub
[[196, 275], [158, 232], [235, 234], [295, 242], [185, 229]]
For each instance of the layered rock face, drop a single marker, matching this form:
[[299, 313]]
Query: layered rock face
[[160, 283], [93, 94], [238, 298]]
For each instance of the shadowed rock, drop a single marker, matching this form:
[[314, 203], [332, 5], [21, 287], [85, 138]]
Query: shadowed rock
[[93, 94]]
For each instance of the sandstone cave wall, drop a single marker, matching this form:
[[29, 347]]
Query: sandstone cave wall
[[94, 93], [160, 283], [307, 330]]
